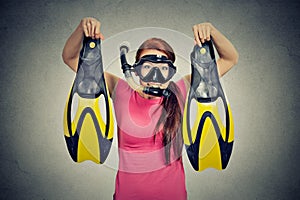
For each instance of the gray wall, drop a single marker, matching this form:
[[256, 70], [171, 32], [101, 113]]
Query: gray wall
[[263, 90]]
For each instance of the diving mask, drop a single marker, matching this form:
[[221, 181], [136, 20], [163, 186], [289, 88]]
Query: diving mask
[[154, 74], [155, 68]]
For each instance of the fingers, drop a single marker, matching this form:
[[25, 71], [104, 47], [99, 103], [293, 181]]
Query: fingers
[[97, 32], [196, 35], [202, 32], [91, 28]]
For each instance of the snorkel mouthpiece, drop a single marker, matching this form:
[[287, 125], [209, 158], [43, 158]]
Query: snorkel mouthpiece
[[127, 69], [157, 91]]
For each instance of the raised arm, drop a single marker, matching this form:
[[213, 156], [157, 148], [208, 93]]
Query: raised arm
[[228, 55], [89, 27]]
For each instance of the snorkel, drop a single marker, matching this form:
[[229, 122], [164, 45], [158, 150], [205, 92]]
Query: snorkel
[[128, 69]]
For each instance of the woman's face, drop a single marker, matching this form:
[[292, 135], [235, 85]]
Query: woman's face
[[147, 66]]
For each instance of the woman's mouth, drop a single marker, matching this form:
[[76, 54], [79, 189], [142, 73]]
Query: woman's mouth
[[155, 85]]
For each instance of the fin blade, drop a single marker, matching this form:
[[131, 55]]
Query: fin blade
[[208, 141], [88, 147], [209, 151]]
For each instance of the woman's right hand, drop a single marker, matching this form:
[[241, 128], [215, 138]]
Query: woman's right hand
[[91, 28], [202, 32]]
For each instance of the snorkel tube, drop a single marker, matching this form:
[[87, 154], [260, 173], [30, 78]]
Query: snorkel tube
[[127, 69]]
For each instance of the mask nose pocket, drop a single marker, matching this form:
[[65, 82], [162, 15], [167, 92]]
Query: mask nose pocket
[[154, 75]]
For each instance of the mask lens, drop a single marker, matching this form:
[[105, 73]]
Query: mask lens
[[149, 68], [164, 69]]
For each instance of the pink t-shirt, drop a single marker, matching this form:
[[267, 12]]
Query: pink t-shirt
[[142, 173]]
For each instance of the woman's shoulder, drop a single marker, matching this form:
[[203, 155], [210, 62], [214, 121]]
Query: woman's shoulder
[[183, 86], [121, 88]]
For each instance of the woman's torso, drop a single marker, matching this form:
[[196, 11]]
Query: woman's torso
[[142, 171]]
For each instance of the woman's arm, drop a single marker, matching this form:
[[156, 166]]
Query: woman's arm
[[89, 27], [228, 55]]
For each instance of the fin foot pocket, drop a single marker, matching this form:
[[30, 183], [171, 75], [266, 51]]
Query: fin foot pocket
[[205, 76], [90, 70], [88, 87]]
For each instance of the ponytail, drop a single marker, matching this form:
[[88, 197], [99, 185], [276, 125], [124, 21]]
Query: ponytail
[[170, 120]]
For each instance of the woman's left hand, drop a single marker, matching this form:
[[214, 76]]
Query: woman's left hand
[[202, 32]]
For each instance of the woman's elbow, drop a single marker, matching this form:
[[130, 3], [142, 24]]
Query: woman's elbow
[[236, 59], [64, 58], [71, 62]]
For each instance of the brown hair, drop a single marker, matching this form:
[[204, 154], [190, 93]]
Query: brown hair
[[171, 116]]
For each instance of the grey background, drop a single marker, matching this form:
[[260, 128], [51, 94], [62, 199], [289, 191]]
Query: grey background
[[263, 90]]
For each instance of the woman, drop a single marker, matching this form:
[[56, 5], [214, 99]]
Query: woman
[[150, 143]]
